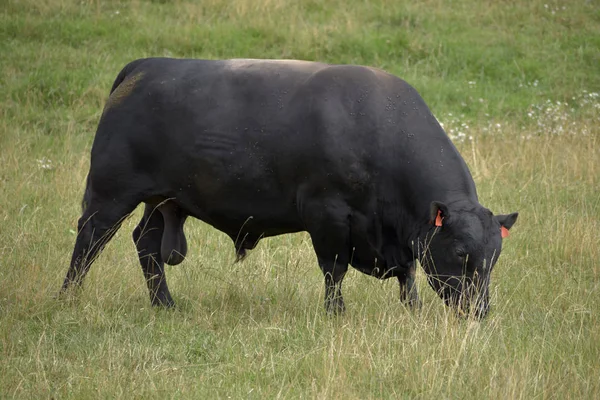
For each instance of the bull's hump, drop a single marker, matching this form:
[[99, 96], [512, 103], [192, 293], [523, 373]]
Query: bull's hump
[[239, 63]]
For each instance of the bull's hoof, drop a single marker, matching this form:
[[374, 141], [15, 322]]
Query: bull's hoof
[[414, 304], [67, 296], [163, 302], [335, 307], [69, 291]]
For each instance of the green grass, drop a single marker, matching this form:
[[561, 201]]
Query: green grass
[[514, 85]]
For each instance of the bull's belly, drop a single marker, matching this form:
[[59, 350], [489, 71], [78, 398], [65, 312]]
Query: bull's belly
[[371, 261], [242, 215], [374, 267]]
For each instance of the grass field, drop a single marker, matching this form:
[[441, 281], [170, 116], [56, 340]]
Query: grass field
[[515, 84]]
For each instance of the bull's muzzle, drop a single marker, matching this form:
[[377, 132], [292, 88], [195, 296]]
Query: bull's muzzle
[[467, 299]]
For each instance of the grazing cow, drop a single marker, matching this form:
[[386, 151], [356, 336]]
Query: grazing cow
[[259, 148]]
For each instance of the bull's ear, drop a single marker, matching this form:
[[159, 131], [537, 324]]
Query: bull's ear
[[506, 222], [438, 211]]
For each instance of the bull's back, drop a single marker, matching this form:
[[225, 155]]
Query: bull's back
[[230, 119]]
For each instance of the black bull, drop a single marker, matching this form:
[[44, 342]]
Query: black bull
[[259, 148]]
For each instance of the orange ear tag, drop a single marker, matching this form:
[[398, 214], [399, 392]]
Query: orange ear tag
[[438, 219], [503, 232]]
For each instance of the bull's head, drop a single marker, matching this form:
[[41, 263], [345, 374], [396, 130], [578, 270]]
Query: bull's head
[[460, 251]]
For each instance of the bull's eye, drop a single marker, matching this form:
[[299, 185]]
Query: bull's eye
[[463, 256]]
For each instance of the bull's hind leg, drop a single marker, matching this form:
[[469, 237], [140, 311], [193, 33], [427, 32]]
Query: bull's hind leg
[[98, 224], [147, 237]]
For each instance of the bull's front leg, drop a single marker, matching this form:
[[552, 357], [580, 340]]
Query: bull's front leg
[[327, 222], [334, 273], [408, 288]]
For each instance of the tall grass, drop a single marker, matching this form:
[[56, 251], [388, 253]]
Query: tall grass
[[515, 85]]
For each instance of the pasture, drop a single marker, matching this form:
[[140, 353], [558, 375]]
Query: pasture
[[515, 84]]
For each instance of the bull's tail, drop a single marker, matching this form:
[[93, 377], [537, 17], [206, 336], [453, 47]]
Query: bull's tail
[[125, 72], [87, 194]]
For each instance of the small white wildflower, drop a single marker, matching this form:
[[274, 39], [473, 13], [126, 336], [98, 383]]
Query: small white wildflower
[[45, 163], [498, 125], [117, 12]]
